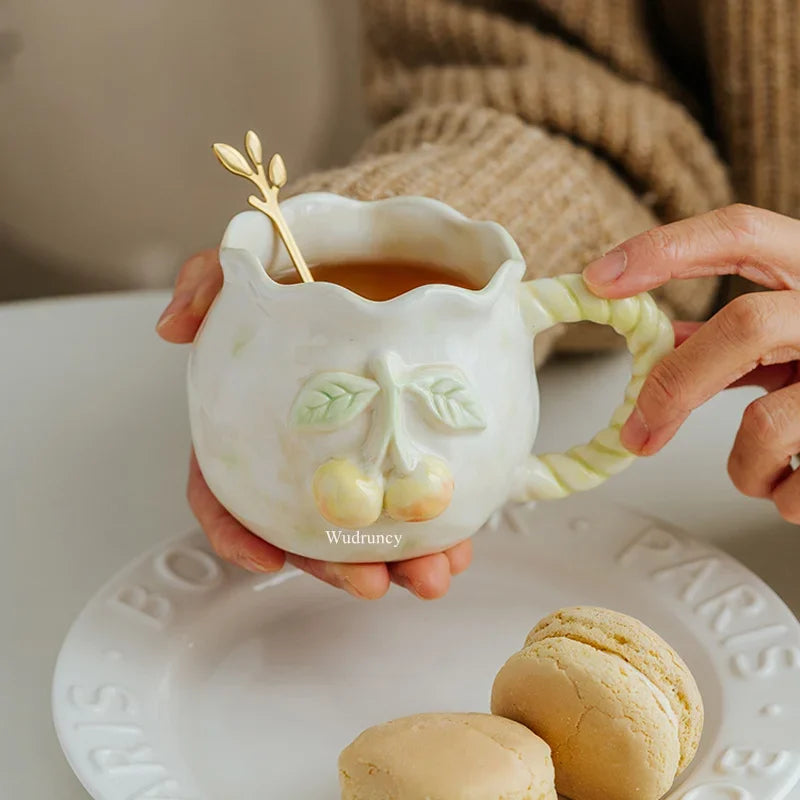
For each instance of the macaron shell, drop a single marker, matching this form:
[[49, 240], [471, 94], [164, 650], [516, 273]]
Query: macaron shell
[[610, 735], [440, 756], [644, 649]]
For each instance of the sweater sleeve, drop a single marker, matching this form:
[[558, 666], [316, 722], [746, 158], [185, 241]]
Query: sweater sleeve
[[754, 57], [503, 121], [753, 52]]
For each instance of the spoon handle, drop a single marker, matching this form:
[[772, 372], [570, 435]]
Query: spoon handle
[[270, 183], [273, 211]]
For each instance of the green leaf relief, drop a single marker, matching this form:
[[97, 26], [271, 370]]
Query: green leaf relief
[[329, 400], [448, 397]]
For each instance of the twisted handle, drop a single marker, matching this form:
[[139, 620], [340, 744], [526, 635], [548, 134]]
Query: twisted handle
[[649, 336]]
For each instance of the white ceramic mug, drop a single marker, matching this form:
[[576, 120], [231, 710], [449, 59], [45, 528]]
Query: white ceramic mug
[[349, 430]]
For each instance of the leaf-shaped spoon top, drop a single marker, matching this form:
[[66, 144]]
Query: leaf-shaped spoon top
[[270, 183]]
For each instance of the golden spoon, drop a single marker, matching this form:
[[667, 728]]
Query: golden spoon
[[270, 183]]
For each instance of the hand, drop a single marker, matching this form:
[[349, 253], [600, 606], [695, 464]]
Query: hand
[[427, 577], [754, 340]]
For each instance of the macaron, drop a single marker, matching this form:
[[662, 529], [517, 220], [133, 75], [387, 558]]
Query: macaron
[[441, 756], [619, 708]]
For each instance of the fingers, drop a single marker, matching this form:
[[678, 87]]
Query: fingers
[[683, 330], [766, 441], [786, 497], [198, 283], [230, 540], [754, 330], [233, 542], [770, 377], [757, 244], [428, 577], [366, 581], [459, 556]]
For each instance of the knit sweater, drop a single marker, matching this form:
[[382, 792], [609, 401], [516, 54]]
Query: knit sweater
[[579, 123]]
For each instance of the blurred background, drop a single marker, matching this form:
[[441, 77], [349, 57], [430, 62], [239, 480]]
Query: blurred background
[[108, 111]]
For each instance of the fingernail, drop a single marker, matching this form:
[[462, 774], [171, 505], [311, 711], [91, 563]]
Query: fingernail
[[350, 587], [405, 583], [606, 269], [253, 564], [178, 303], [413, 588], [635, 432]]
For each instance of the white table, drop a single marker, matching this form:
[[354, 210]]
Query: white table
[[94, 445]]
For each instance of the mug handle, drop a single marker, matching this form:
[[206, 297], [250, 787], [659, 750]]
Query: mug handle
[[649, 336]]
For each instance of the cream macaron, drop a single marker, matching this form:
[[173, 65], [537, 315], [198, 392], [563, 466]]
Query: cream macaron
[[617, 705], [447, 757]]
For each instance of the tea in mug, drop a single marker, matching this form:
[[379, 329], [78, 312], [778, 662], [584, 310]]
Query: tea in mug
[[381, 279]]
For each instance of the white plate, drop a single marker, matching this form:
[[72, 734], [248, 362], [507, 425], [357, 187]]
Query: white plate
[[186, 679]]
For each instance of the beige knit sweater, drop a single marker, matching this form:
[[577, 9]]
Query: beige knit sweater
[[578, 123]]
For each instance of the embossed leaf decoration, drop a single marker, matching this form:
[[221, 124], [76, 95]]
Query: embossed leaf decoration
[[277, 171], [253, 145], [448, 397], [329, 400], [233, 160]]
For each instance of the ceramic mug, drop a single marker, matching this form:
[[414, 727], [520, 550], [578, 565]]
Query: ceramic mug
[[346, 429]]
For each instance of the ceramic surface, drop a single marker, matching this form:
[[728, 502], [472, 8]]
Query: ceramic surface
[[398, 427]]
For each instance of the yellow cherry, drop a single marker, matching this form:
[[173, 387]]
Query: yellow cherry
[[422, 495], [345, 495]]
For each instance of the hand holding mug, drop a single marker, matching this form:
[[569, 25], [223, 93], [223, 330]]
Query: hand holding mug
[[754, 340], [314, 408], [428, 577]]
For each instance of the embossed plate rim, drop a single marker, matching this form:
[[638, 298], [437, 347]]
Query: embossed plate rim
[[735, 773]]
